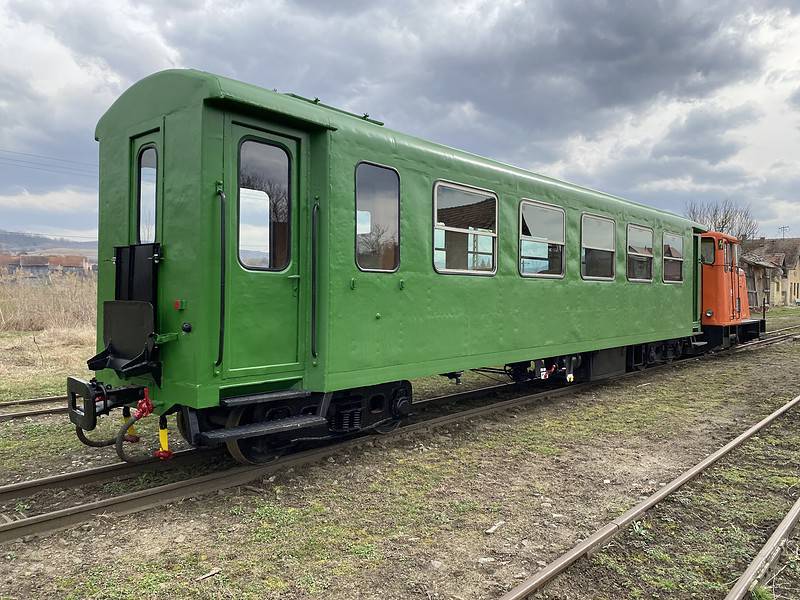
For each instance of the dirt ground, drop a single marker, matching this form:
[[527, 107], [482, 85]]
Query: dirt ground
[[407, 517]]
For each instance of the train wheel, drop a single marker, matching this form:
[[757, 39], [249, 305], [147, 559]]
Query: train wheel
[[182, 428], [401, 407], [255, 450]]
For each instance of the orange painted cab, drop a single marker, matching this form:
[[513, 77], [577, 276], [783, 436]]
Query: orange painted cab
[[725, 309]]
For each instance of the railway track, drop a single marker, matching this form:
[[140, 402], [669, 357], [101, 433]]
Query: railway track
[[231, 477], [605, 534], [772, 337], [222, 479], [33, 412]]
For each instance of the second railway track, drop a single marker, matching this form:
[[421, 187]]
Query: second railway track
[[602, 536]]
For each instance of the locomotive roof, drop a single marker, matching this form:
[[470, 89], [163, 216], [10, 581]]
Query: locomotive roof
[[171, 90]]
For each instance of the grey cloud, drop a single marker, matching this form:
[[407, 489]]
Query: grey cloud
[[794, 98], [534, 72], [702, 134]]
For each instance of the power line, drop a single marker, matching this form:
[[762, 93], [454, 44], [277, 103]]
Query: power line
[[47, 170], [65, 160], [49, 166], [783, 231]]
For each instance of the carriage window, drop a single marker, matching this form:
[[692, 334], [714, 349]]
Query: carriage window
[[377, 218], [541, 240], [465, 232], [673, 257], [597, 247], [147, 191], [707, 250], [263, 206], [640, 253]]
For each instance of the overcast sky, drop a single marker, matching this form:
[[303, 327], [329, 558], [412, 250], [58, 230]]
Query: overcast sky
[[658, 102]]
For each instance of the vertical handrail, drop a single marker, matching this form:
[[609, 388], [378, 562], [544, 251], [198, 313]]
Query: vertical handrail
[[314, 269], [222, 204]]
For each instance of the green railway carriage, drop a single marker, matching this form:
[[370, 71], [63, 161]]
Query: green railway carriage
[[271, 265]]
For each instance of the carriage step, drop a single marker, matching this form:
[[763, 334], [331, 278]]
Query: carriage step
[[267, 397], [698, 344], [218, 436]]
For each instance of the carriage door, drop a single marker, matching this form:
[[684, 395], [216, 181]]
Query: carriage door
[[262, 299]]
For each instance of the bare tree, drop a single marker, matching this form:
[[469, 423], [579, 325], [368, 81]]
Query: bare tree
[[725, 216], [275, 190], [376, 242]]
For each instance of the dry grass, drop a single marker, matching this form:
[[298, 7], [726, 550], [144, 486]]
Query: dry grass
[[46, 333], [62, 302], [37, 363]]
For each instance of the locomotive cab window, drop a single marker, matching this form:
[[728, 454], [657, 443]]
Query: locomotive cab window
[[147, 183], [640, 253], [263, 206], [707, 250], [673, 258], [377, 218], [465, 230], [597, 247], [541, 240]]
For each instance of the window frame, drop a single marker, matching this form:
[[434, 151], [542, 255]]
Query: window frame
[[563, 245], [289, 213], [628, 252], [355, 216], [713, 245], [665, 258], [495, 235], [142, 150], [614, 243]]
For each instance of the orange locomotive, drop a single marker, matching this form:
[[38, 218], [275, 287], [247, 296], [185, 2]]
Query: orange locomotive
[[725, 315]]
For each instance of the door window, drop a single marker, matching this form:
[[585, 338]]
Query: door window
[[263, 206], [147, 176]]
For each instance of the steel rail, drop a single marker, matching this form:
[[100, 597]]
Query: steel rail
[[33, 400], [471, 393], [148, 498], [611, 529], [104, 473], [32, 413], [760, 342], [782, 329], [767, 557]]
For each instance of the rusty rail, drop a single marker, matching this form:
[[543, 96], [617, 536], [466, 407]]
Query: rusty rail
[[767, 557]]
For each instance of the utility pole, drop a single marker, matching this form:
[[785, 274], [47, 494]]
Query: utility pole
[[784, 229]]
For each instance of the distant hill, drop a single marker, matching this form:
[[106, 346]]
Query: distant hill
[[13, 242]]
